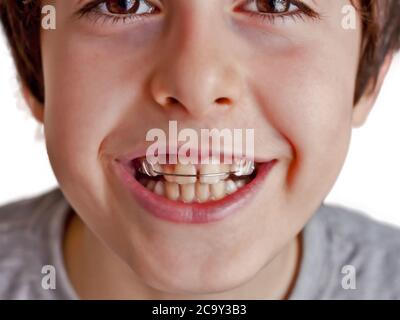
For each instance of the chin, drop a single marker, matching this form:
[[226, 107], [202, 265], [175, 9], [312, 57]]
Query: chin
[[186, 272]]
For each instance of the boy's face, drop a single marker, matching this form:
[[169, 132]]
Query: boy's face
[[292, 80]]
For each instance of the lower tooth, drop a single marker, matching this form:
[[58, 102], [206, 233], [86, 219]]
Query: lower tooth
[[230, 187], [193, 192], [202, 191], [187, 192], [240, 183], [172, 190], [218, 190], [159, 188], [150, 185]]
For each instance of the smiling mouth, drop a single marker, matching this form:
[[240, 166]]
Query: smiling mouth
[[191, 193], [191, 183]]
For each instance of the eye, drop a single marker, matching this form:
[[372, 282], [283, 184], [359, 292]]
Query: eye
[[271, 6], [125, 7], [269, 10], [117, 10]]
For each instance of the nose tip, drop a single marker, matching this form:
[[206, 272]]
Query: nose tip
[[205, 94]]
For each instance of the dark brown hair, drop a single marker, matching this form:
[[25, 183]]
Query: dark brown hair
[[381, 34]]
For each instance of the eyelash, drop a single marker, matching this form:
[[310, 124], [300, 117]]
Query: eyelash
[[302, 12], [91, 10]]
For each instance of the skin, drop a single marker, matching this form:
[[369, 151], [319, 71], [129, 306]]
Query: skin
[[294, 81]]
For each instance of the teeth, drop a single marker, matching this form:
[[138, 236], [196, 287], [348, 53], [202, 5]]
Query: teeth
[[218, 190], [159, 188], [230, 187], [240, 183], [188, 192], [213, 167], [169, 169], [172, 172], [189, 169], [202, 191], [172, 190], [187, 174], [191, 192], [150, 185], [193, 189]]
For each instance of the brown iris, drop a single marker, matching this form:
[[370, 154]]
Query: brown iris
[[273, 6], [122, 6]]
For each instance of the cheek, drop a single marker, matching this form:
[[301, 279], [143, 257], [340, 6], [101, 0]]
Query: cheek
[[83, 105], [307, 95]]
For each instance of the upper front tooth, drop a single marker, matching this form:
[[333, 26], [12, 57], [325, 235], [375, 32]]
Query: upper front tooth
[[168, 169], [188, 169], [212, 168]]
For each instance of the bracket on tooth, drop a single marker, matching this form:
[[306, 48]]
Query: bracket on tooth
[[245, 168]]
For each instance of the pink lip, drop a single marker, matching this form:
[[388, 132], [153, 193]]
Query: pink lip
[[180, 212]]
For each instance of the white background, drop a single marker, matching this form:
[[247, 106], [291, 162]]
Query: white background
[[369, 180]]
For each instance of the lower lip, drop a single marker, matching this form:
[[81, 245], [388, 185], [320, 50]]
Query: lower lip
[[193, 213]]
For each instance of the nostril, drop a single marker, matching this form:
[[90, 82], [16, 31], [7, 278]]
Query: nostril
[[171, 101], [224, 101]]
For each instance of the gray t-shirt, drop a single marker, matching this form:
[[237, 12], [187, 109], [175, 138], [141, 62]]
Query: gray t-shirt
[[346, 255]]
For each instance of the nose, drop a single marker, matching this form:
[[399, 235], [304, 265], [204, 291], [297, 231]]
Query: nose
[[196, 73]]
